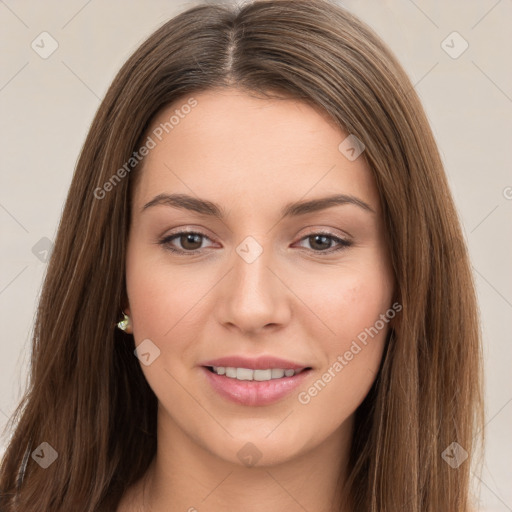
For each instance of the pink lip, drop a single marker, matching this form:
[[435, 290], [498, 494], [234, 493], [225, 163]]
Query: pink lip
[[251, 392], [255, 363]]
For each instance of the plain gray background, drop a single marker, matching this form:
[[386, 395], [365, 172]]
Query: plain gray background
[[47, 103]]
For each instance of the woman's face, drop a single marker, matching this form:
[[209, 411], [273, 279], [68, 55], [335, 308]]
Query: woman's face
[[271, 278]]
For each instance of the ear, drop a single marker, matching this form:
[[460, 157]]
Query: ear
[[125, 304], [129, 326], [127, 311]]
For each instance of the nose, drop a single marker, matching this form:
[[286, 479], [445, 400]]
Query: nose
[[253, 297]]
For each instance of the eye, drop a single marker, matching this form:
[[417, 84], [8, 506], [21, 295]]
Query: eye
[[323, 242], [190, 241]]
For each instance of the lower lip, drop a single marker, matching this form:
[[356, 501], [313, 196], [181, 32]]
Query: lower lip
[[253, 392]]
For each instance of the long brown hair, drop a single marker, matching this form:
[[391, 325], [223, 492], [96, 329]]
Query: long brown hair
[[87, 396]]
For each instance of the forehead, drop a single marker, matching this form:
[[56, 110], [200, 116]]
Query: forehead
[[230, 143]]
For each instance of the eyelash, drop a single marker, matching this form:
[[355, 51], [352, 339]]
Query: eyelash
[[165, 242]]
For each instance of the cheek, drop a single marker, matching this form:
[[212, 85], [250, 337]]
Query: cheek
[[166, 301], [348, 300], [356, 308], [158, 300], [359, 306], [352, 355]]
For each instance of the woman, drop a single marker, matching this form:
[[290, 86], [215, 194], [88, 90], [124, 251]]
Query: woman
[[259, 296]]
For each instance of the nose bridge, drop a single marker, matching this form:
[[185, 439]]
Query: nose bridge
[[251, 262], [253, 296]]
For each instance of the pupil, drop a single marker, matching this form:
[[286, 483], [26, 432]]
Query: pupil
[[321, 237], [189, 238]]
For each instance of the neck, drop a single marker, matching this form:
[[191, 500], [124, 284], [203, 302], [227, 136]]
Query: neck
[[185, 476]]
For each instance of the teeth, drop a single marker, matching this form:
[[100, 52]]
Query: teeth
[[262, 374], [244, 374], [258, 375], [231, 372]]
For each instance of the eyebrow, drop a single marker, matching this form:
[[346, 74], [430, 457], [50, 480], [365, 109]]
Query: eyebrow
[[205, 207]]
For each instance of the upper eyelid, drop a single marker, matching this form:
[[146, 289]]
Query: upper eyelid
[[186, 232], [314, 230]]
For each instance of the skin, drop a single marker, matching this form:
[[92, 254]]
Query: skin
[[252, 156]]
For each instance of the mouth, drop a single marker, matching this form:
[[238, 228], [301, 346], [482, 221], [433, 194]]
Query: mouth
[[254, 387], [260, 375]]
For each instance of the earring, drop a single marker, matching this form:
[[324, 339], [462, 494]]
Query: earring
[[125, 324]]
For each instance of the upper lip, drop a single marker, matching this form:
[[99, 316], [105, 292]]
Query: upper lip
[[255, 363]]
